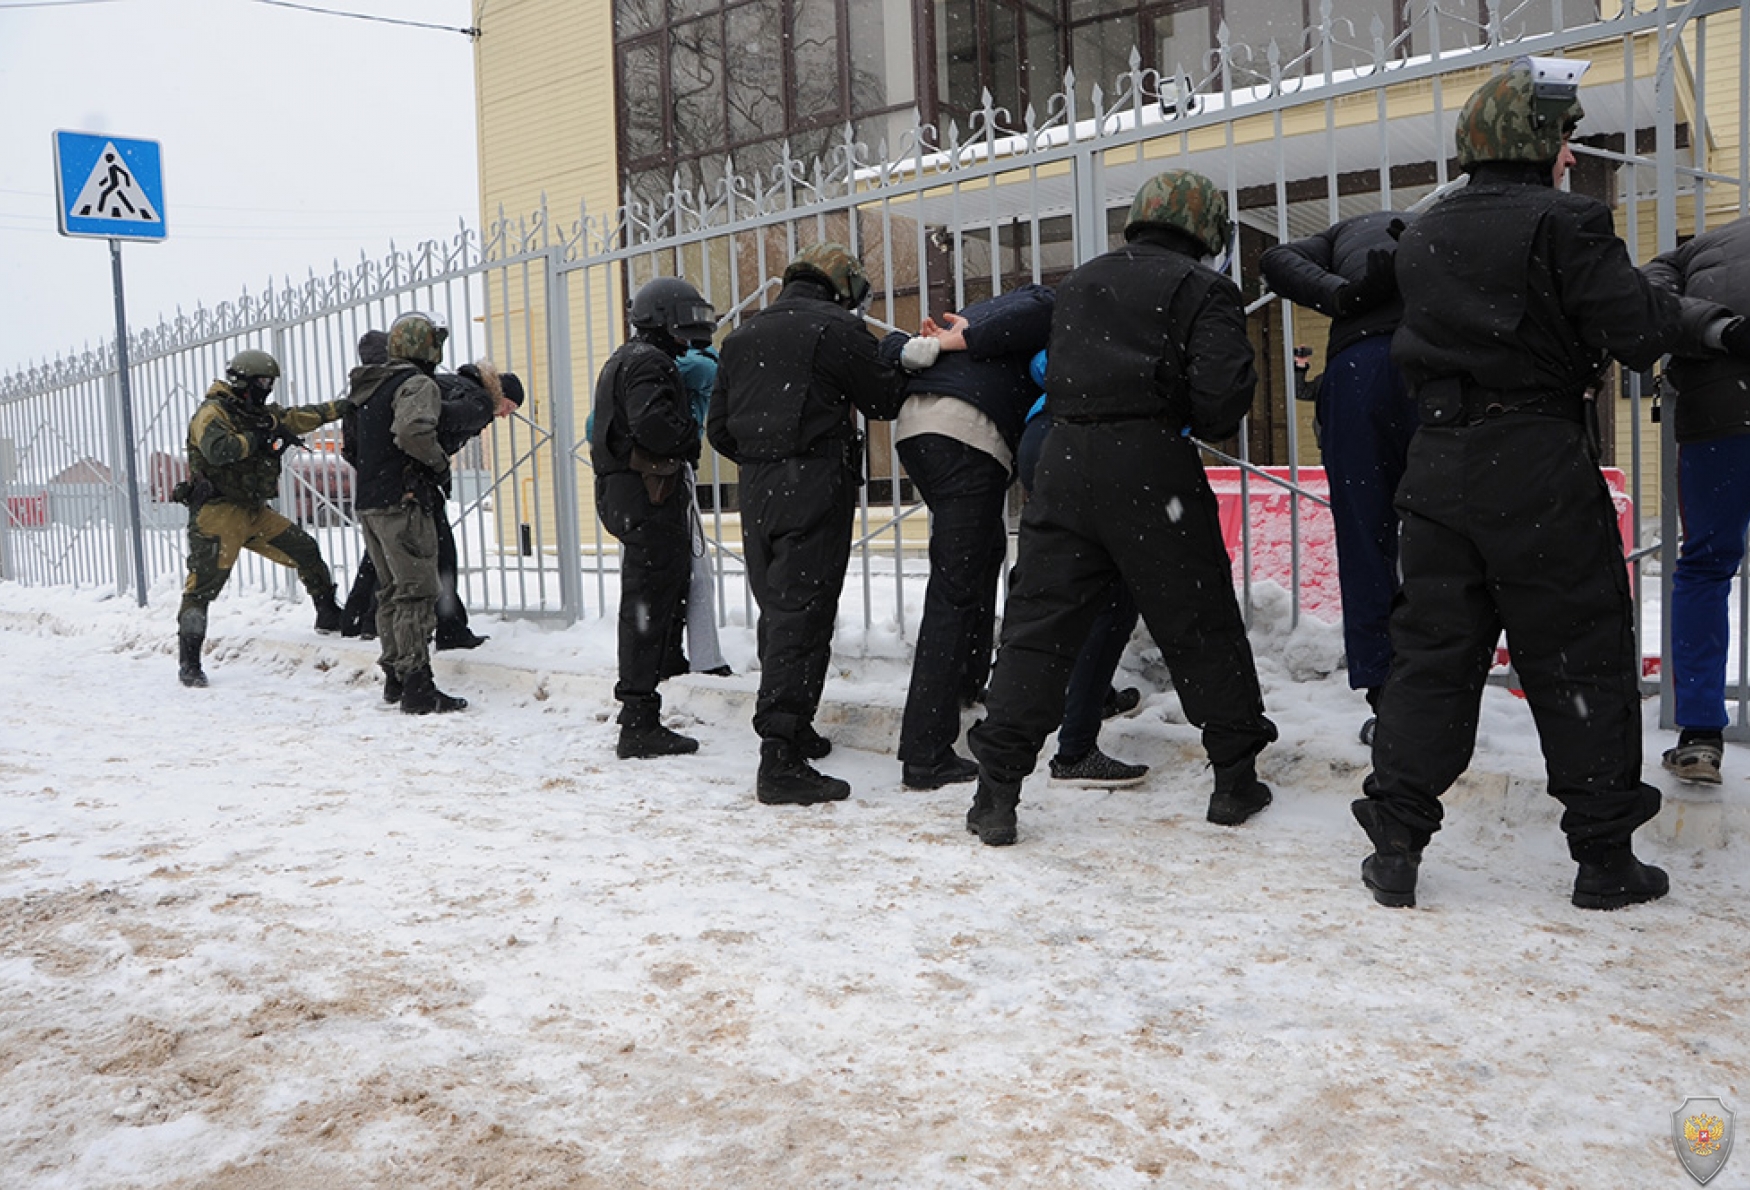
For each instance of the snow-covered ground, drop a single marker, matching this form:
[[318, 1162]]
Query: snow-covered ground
[[272, 934]]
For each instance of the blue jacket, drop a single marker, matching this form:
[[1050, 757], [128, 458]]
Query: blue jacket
[[991, 375]]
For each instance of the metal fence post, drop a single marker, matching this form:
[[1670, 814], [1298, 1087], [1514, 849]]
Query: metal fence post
[[567, 532]]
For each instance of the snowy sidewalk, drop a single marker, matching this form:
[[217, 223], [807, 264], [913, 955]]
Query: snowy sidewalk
[[274, 934]]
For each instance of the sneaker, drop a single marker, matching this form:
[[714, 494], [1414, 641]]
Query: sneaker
[[638, 743], [1697, 763], [1120, 702], [1096, 770], [952, 769], [717, 671]]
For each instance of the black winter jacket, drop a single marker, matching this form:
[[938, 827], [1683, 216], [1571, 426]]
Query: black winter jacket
[[1512, 285], [788, 377], [1147, 331], [1311, 272], [991, 375], [640, 400], [1712, 271]]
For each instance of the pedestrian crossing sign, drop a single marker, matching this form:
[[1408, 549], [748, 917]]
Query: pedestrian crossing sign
[[109, 186]]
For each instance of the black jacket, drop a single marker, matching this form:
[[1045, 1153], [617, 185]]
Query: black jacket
[[640, 400], [1004, 335], [1713, 389], [1512, 285], [1310, 272], [788, 377], [1147, 331]]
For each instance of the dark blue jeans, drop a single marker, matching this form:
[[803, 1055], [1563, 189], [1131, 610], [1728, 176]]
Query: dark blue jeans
[[1366, 420], [965, 489], [1713, 492], [1084, 703]]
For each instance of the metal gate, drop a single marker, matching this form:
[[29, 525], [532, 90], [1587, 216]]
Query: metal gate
[[1356, 113]]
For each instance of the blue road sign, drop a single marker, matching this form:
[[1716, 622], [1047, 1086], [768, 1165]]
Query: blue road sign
[[109, 186]]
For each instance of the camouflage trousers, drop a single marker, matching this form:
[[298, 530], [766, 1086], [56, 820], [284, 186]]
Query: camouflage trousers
[[403, 544], [218, 532]]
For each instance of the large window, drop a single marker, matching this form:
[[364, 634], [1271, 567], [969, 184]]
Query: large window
[[704, 82]]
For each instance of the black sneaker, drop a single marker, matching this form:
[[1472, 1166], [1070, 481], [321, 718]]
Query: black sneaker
[[637, 743], [1096, 770], [1120, 702], [718, 671], [1619, 882], [952, 769]]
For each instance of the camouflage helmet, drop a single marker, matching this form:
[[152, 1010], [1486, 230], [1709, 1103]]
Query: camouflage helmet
[[673, 305], [1182, 199], [836, 266], [418, 336], [1522, 114], [251, 365]]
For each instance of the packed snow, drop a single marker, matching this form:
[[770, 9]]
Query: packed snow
[[274, 934]]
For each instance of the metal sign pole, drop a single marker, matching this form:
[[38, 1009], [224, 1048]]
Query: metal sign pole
[[127, 402]]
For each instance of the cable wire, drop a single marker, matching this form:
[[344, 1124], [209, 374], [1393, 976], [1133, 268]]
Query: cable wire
[[470, 31]]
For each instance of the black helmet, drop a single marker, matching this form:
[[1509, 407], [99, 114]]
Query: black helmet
[[671, 304]]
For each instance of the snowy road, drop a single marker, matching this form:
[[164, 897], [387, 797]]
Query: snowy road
[[274, 935]]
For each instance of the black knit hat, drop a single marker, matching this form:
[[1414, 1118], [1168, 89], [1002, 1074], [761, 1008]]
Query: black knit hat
[[512, 385], [374, 347]]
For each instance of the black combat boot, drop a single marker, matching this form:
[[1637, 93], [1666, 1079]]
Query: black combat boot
[[392, 687], [420, 696], [1238, 793], [787, 779], [813, 745], [189, 654], [1390, 872], [1618, 879], [636, 743], [327, 611], [992, 816]]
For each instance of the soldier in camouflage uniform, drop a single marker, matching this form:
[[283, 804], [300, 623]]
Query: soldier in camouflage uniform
[[235, 442], [1147, 345]]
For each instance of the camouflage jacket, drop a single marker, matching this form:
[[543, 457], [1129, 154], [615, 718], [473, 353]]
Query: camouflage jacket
[[232, 443]]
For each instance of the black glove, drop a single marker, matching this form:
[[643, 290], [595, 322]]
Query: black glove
[[1379, 284], [1735, 338]]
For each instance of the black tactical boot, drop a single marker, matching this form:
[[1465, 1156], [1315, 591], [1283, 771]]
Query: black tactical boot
[[189, 654], [1238, 793], [392, 687], [454, 637], [1390, 872], [327, 612], [1617, 880], [655, 740], [992, 816], [787, 779], [420, 696], [951, 769], [812, 744]]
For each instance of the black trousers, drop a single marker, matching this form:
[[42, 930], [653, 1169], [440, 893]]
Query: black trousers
[[796, 518], [1508, 525], [1120, 500], [966, 490], [655, 561]]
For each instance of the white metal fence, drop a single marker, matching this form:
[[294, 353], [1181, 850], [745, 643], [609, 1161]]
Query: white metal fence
[[1341, 120]]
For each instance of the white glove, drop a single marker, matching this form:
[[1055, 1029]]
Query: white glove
[[920, 352]]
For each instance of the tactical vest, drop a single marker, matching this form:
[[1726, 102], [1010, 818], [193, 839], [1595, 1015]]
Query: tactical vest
[[382, 466], [252, 480], [610, 439], [1119, 332]]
